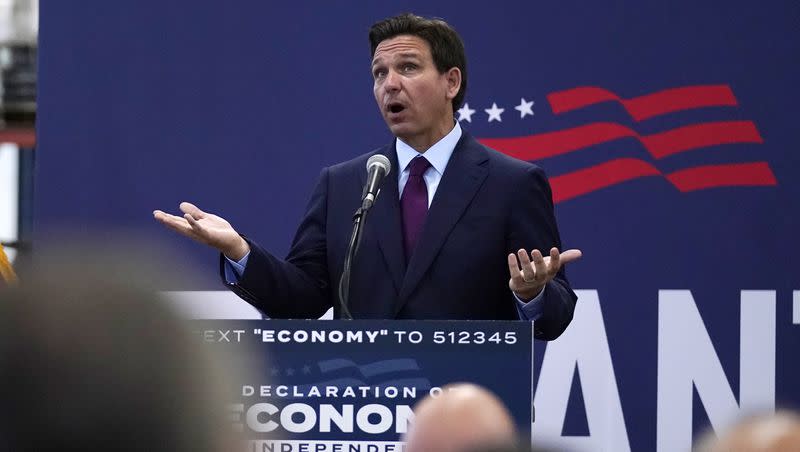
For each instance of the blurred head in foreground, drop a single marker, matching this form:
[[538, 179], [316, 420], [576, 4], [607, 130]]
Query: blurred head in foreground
[[768, 433], [462, 417], [521, 446], [91, 359]]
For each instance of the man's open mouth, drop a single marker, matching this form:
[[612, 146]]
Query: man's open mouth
[[396, 107]]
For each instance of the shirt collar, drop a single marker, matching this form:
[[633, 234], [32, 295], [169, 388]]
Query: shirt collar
[[438, 154]]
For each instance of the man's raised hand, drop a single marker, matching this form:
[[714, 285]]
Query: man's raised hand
[[206, 228], [529, 274]]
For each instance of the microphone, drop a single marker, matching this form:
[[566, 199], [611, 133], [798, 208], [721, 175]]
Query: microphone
[[378, 167]]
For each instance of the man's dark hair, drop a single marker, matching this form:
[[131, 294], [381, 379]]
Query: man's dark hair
[[446, 46]]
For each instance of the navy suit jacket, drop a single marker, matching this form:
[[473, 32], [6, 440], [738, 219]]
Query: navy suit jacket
[[486, 206]]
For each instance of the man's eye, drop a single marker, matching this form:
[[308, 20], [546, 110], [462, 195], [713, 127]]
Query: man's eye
[[409, 67], [380, 73]]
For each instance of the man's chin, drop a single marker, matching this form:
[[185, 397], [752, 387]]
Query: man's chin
[[401, 130]]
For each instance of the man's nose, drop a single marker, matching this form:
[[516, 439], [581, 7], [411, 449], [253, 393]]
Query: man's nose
[[392, 82]]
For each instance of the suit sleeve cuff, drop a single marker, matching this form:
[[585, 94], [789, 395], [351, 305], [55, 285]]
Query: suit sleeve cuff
[[235, 269], [530, 310]]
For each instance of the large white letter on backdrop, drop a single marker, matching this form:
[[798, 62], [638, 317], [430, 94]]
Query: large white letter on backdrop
[[687, 359], [584, 343]]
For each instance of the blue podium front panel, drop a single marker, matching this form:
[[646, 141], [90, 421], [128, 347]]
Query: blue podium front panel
[[335, 385]]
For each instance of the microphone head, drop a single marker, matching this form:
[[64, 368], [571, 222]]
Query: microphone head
[[381, 161]]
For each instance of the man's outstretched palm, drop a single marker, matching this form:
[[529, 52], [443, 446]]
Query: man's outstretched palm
[[206, 228], [529, 274]]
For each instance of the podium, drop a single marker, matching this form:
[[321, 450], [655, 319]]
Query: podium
[[351, 385]]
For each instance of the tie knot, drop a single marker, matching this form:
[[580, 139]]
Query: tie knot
[[418, 166]]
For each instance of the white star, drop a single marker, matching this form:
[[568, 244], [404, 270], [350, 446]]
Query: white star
[[524, 108], [494, 112], [465, 113]]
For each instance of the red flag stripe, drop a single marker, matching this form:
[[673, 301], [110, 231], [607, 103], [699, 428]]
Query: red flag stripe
[[728, 175], [580, 182], [587, 180], [647, 106], [550, 144], [659, 145], [695, 136]]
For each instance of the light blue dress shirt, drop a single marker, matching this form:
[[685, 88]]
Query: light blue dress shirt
[[438, 155]]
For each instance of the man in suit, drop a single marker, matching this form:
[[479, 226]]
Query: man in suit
[[440, 241]]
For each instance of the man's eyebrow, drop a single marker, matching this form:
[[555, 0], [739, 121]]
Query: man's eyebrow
[[410, 55], [407, 55]]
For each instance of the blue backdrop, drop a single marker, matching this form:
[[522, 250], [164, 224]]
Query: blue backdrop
[[668, 130]]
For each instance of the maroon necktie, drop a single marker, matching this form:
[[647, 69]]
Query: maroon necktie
[[414, 204]]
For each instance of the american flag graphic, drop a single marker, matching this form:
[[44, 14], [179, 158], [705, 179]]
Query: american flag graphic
[[399, 373], [658, 146]]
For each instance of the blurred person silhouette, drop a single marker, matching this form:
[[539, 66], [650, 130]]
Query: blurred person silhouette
[[7, 274], [462, 417], [92, 359], [520, 446], [777, 432]]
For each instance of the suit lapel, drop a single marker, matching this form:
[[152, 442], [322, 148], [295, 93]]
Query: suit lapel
[[463, 176], [384, 220]]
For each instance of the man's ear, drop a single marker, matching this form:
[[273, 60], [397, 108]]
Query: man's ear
[[453, 77]]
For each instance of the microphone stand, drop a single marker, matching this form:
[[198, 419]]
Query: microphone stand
[[359, 218], [377, 167]]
